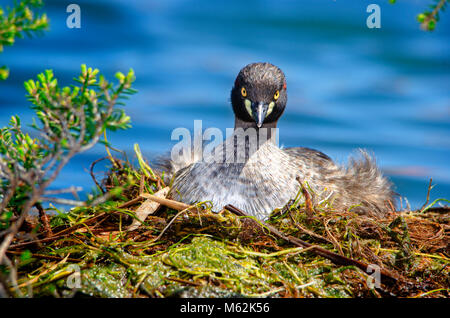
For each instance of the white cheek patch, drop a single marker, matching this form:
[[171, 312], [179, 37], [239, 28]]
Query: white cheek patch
[[270, 109], [248, 106]]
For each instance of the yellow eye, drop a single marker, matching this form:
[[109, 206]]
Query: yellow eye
[[243, 91], [277, 94]]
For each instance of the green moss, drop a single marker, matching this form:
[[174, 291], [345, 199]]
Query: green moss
[[105, 281]]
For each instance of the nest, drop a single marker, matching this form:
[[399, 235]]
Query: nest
[[118, 249]]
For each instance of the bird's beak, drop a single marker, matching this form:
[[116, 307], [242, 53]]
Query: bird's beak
[[259, 111]]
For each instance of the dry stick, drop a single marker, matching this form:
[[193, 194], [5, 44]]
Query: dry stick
[[391, 205], [335, 258], [91, 171], [43, 217], [73, 190], [308, 202], [142, 184], [147, 207], [428, 196], [166, 202], [64, 201]]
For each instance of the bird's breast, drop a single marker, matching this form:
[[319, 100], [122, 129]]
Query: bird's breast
[[265, 181]]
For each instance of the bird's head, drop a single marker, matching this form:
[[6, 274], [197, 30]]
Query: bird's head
[[259, 94]]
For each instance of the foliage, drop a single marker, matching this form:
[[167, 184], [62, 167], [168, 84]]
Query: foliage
[[17, 21], [428, 19], [70, 120]]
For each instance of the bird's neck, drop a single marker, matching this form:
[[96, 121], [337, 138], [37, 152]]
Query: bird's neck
[[266, 133]]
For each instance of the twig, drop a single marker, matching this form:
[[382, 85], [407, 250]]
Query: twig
[[308, 202], [391, 205], [43, 217], [146, 208], [142, 185], [64, 201], [91, 172], [437, 8], [179, 206], [72, 190], [427, 208], [428, 196]]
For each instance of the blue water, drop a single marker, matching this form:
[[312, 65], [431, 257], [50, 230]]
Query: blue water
[[385, 89]]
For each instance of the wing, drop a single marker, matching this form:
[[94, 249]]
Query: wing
[[308, 154]]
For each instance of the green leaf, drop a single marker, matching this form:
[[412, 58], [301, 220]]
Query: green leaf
[[4, 73], [26, 255]]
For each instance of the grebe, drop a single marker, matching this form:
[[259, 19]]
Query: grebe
[[263, 176]]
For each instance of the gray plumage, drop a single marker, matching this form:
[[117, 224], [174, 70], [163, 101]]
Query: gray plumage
[[265, 177]]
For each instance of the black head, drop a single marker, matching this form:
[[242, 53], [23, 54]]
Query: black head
[[259, 94]]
